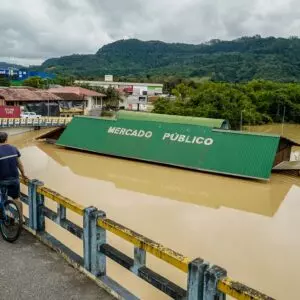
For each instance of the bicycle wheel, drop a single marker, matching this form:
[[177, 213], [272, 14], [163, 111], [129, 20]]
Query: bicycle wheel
[[11, 224]]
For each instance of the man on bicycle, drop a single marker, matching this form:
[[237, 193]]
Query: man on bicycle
[[10, 163]]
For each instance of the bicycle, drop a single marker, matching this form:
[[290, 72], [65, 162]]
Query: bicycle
[[10, 217]]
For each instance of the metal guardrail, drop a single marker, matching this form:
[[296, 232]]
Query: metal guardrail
[[36, 122], [204, 281]]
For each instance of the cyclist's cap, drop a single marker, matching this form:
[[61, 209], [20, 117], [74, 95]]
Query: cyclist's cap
[[3, 137]]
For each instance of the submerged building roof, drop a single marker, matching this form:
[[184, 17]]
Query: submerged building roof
[[196, 147], [141, 116]]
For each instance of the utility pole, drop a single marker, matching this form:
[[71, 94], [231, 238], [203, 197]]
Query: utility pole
[[283, 119], [241, 121]]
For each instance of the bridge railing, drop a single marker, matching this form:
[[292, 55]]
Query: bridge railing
[[204, 281], [34, 122]]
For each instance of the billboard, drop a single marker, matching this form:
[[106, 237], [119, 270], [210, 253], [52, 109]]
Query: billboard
[[10, 112], [152, 90], [108, 78], [128, 89]]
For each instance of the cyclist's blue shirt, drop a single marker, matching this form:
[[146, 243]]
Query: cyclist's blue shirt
[[8, 162]]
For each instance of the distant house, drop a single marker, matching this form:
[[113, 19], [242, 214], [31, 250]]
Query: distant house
[[91, 100], [16, 95], [30, 99], [135, 95]]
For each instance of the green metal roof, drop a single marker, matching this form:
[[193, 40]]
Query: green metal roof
[[190, 146], [290, 141], [141, 116]]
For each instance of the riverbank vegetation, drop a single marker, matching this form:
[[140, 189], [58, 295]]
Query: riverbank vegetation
[[256, 102]]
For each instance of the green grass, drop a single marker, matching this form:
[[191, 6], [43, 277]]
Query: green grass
[[16, 83]]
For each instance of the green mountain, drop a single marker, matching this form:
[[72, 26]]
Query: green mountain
[[239, 60]]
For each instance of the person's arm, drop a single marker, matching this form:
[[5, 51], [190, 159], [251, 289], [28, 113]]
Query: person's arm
[[21, 167]]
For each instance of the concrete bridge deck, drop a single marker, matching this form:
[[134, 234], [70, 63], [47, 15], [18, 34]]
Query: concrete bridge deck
[[28, 270]]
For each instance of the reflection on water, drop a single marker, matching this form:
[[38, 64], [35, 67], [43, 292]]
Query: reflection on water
[[248, 227], [176, 184]]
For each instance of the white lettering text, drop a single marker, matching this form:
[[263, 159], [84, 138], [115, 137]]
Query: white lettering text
[[180, 138]]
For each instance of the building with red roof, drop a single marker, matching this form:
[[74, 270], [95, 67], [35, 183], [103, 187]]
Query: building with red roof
[[92, 100], [61, 101]]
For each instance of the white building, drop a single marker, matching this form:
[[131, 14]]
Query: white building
[[133, 88], [134, 95]]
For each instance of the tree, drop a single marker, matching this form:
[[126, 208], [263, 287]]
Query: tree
[[182, 92], [4, 81], [112, 98], [64, 80], [257, 102], [35, 82]]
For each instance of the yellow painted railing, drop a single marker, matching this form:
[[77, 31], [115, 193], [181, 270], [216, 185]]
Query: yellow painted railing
[[67, 203], [177, 260], [225, 285]]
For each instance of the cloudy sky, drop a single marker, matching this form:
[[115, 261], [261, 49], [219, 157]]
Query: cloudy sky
[[33, 30]]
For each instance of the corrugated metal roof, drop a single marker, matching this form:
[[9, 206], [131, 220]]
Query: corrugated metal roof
[[70, 96], [128, 115], [189, 146]]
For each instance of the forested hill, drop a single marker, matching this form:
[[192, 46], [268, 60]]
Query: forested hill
[[6, 65], [239, 60]]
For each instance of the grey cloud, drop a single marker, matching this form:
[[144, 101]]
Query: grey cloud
[[202, 21], [38, 29], [120, 18]]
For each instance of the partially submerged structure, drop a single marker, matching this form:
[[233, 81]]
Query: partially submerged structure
[[188, 143]]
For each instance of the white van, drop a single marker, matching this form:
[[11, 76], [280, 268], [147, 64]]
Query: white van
[[30, 115]]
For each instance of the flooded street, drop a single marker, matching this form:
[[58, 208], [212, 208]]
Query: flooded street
[[251, 228]]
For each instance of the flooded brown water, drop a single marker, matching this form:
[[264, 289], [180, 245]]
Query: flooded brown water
[[251, 228]]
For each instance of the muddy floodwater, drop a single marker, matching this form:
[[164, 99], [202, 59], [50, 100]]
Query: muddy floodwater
[[251, 228]]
